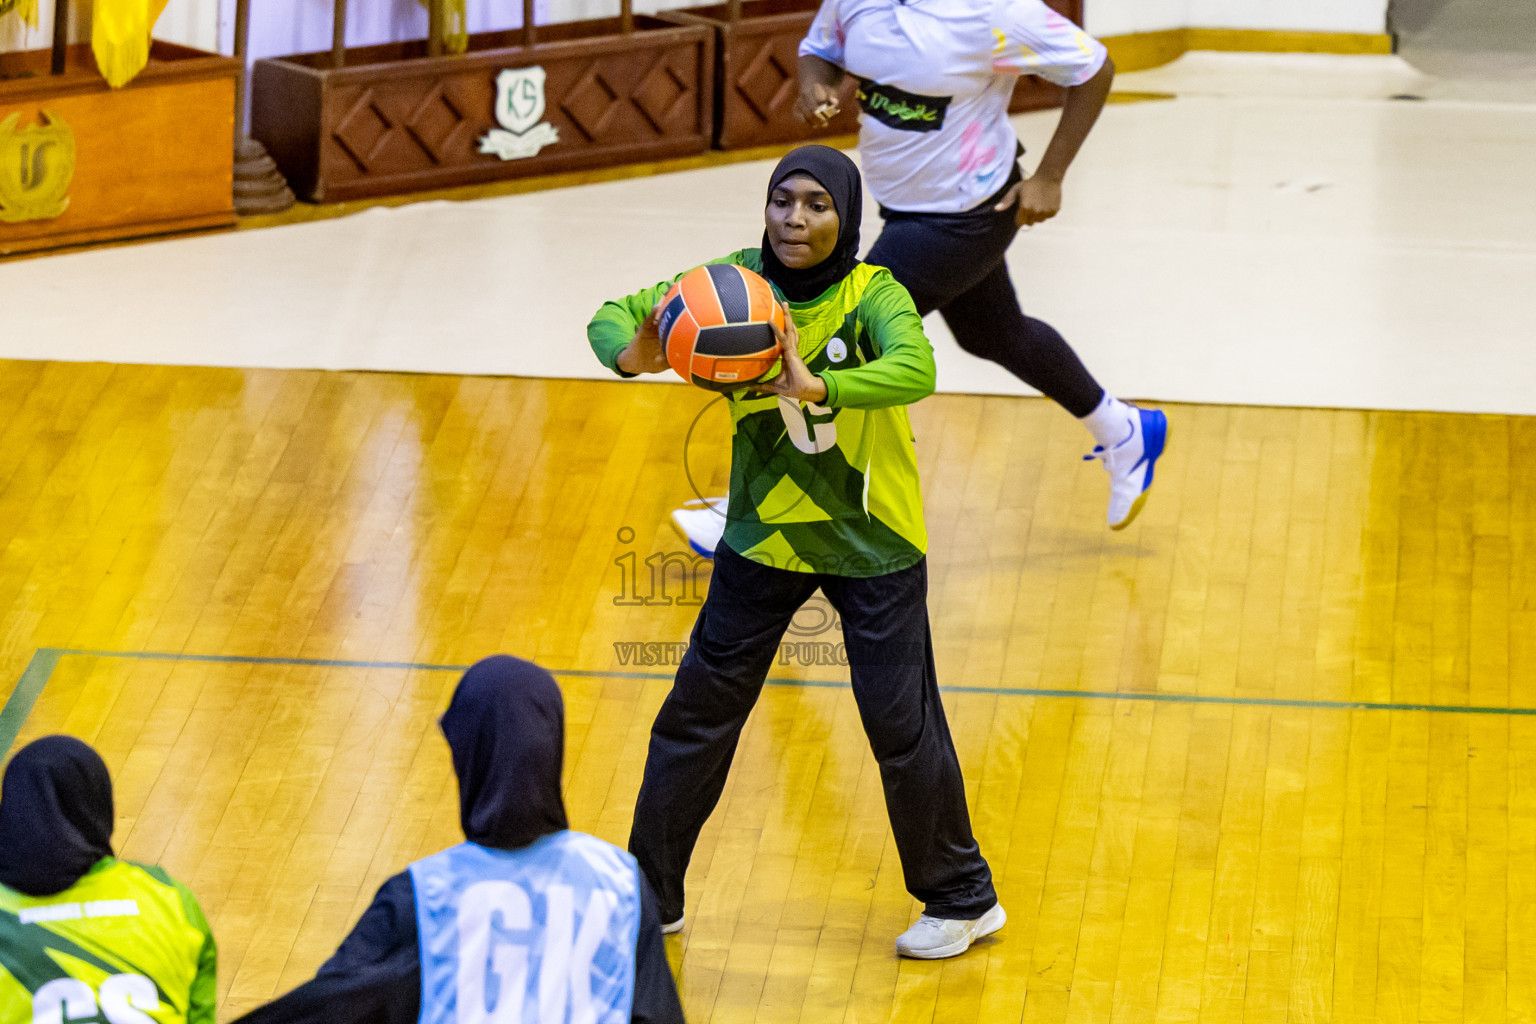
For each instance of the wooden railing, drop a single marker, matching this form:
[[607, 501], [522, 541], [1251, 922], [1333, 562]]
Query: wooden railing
[[437, 25]]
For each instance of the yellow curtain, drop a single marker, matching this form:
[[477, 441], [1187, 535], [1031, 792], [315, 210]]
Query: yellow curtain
[[120, 32], [26, 10], [120, 39], [456, 24]]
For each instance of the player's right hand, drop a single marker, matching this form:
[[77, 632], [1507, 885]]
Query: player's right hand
[[645, 353], [818, 104]]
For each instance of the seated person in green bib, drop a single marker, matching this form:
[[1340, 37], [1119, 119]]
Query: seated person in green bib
[[84, 936], [824, 493]]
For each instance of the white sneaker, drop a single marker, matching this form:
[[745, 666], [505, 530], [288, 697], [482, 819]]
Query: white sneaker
[[935, 938], [701, 522], [1130, 464], [672, 927]]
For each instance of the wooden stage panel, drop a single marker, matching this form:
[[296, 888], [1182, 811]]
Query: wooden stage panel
[[1265, 852]]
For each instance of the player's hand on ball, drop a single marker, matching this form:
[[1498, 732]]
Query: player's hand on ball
[[645, 352], [795, 380], [818, 104], [1034, 200]]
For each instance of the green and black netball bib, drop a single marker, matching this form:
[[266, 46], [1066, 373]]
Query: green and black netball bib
[[830, 488], [123, 945]]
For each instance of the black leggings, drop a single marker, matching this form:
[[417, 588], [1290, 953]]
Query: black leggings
[[890, 657], [953, 262]]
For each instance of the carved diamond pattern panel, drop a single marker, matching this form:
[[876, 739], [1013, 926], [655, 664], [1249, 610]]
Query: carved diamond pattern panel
[[757, 90], [661, 95], [765, 84], [632, 97], [434, 123], [362, 129], [591, 103]]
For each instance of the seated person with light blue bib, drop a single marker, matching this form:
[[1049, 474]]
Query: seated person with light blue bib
[[524, 922]]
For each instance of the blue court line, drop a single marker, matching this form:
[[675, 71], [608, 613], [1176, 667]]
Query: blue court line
[[33, 678], [40, 669]]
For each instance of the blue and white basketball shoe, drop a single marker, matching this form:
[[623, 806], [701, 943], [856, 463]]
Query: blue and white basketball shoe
[[701, 522], [1130, 464]]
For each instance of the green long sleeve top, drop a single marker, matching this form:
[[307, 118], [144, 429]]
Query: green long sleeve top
[[831, 487]]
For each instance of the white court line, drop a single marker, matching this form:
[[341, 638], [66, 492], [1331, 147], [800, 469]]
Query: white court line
[[1326, 249]]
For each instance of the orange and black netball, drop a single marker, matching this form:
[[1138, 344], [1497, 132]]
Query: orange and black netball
[[717, 326]]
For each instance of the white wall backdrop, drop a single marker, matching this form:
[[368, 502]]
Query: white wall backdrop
[[1118, 17], [189, 22], [1291, 15], [297, 26], [1122, 17], [194, 23], [15, 35], [289, 26]]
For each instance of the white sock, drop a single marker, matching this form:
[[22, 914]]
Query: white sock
[[1110, 423]]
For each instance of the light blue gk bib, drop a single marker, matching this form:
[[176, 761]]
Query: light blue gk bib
[[541, 935]]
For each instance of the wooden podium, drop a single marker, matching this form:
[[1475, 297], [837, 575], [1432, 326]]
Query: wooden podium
[[80, 162], [407, 116], [757, 71]]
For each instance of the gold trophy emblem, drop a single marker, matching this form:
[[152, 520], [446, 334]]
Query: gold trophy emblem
[[37, 164]]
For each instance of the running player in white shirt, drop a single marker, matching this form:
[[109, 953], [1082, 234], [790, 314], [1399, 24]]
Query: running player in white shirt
[[941, 158]]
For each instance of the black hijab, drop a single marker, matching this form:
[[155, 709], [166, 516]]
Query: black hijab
[[840, 177], [506, 727], [55, 815]]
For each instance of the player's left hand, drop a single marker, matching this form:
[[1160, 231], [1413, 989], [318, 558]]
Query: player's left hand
[[1034, 200], [817, 104], [795, 380]]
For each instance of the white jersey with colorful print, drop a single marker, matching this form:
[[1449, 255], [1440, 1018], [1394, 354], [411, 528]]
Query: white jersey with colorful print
[[935, 78]]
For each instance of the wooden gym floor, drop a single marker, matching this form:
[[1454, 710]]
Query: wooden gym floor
[[1299, 782]]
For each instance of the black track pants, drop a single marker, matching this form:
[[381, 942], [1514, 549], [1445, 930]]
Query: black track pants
[[953, 262], [890, 655]]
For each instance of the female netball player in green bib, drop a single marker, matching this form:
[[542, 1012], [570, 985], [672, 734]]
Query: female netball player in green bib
[[85, 936], [941, 159], [824, 493]]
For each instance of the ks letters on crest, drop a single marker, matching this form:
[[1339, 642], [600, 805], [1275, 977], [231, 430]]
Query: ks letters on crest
[[519, 108]]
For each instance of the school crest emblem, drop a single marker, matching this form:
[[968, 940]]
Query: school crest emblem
[[37, 164], [519, 108]]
